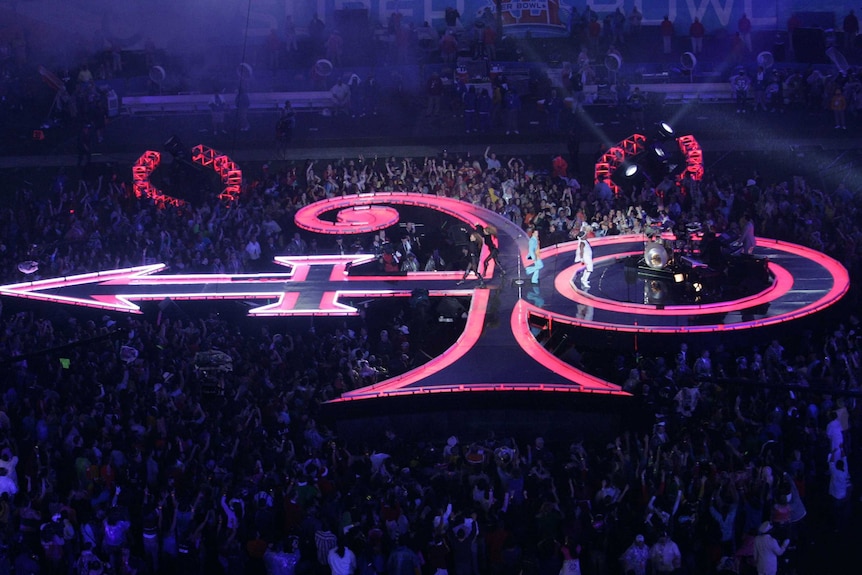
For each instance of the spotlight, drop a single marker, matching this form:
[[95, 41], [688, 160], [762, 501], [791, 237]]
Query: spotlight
[[627, 176], [665, 132], [698, 287], [678, 278], [176, 147], [658, 150]]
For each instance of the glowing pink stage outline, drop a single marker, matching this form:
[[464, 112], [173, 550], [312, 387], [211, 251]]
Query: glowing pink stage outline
[[352, 208], [284, 305], [782, 284], [309, 218], [405, 384]]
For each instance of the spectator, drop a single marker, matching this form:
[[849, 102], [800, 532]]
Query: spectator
[[512, 108], [434, 89], [665, 555], [696, 32], [634, 558], [242, 103], [767, 550], [217, 107], [666, 32], [341, 98], [285, 128], [850, 26], [838, 105], [342, 561], [744, 28], [839, 488]]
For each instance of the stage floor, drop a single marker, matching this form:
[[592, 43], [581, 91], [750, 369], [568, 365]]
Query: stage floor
[[804, 281], [507, 345]]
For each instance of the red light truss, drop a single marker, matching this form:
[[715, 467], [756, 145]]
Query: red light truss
[[616, 155], [141, 171], [231, 175], [693, 157]]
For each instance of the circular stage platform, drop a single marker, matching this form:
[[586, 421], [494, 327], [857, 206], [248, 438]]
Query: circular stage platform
[[802, 281]]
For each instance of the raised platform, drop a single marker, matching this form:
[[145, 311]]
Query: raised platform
[[804, 282], [511, 350]]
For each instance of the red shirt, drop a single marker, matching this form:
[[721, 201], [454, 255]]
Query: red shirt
[[697, 30], [666, 28], [560, 167]]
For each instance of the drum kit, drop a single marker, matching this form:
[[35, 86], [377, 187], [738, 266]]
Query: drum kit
[[666, 247]]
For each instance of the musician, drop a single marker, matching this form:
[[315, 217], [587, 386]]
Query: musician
[[534, 254], [747, 238], [492, 242], [741, 84], [710, 249], [472, 251]]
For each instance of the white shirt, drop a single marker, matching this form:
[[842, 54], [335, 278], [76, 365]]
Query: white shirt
[[345, 565], [838, 480], [584, 253], [766, 552], [253, 249], [833, 432], [341, 94], [664, 556]]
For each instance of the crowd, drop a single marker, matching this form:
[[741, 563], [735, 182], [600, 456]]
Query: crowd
[[178, 443]]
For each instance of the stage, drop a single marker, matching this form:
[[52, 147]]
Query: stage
[[512, 352]]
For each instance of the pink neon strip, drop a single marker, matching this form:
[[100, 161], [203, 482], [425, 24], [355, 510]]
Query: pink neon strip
[[475, 323], [308, 217], [521, 329], [783, 283], [472, 331], [285, 305], [197, 279], [840, 280], [81, 278]]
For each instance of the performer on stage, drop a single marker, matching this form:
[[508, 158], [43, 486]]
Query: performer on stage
[[534, 254], [584, 253], [474, 249], [492, 242], [748, 240]]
